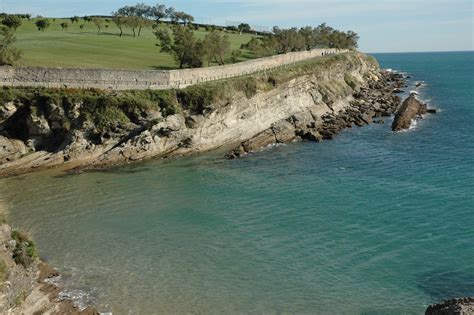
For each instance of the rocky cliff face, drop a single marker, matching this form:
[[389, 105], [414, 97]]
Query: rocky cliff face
[[310, 102]]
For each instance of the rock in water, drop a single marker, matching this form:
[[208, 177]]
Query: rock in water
[[464, 306], [411, 109]]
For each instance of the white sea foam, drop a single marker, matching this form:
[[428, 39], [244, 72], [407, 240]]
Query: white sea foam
[[413, 124], [78, 297], [273, 145]]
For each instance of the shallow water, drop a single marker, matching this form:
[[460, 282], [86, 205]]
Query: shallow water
[[372, 222]]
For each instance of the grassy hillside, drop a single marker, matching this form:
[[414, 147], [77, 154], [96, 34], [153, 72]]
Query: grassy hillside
[[85, 48]]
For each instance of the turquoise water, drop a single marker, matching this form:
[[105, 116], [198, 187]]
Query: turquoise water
[[371, 223]]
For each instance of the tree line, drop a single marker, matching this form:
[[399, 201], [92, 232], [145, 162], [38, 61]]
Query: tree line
[[189, 51], [282, 41], [141, 15]]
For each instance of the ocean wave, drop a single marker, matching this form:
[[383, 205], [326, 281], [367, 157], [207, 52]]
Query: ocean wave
[[81, 299], [272, 146]]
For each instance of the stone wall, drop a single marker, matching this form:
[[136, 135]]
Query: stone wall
[[146, 79]]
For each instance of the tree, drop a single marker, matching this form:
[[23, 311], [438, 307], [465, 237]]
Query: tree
[[186, 18], [42, 24], [235, 54], [134, 23], [8, 54], [64, 26], [11, 21], [352, 40], [121, 22], [142, 10], [136, 17], [288, 40], [98, 22], [244, 28], [171, 14], [308, 35], [87, 19], [262, 47], [81, 26], [74, 19], [216, 47], [159, 12], [185, 48], [322, 35]]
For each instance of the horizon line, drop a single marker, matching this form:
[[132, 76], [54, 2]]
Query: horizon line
[[415, 52]]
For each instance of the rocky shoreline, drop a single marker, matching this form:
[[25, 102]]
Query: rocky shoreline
[[44, 129], [370, 104], [25, 284]]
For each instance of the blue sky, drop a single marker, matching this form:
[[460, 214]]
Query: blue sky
[[384, 25]]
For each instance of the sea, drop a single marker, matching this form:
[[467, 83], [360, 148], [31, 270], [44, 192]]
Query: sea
[[372, 222]]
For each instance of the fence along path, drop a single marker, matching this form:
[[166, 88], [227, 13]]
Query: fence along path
[[147, 79]]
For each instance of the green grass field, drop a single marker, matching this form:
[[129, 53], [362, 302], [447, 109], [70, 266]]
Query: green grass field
[[87, 49]]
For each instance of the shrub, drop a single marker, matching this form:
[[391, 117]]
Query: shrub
[[42, 24], [25, 251], [11, 21], [104, 112], [197, 98]]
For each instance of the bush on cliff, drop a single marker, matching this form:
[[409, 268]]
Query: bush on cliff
[[25, 251], [104, 112], [197, 98]]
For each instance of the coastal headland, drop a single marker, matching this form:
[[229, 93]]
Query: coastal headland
[[313, 100]]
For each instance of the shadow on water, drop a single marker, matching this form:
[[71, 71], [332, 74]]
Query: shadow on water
[[119, 170], [447, 285]]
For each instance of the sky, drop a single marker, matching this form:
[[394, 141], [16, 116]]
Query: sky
[[383, 25]]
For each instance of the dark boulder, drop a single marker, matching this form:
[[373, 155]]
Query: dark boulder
[[411, 109]]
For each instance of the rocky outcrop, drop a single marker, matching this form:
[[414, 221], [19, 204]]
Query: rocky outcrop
[[11, 149], [311, 104], [368, 103], [410, 110], [463, 306], [24, 281]]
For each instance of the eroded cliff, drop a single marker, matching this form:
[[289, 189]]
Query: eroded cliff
[[313, 100]]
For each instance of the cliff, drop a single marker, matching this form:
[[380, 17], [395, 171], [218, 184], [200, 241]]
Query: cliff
[[43, 128]]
